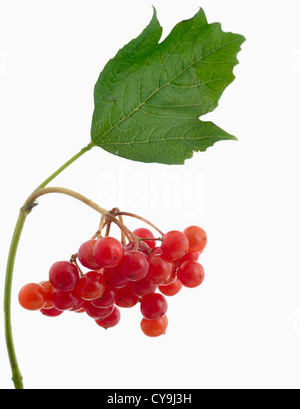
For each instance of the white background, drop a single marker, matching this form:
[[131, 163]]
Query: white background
[[241, 328]]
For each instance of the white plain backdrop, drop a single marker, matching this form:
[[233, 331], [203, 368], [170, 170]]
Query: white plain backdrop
[[241, 328]]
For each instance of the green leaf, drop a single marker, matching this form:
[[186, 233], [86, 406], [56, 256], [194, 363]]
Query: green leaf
[[149, 97]]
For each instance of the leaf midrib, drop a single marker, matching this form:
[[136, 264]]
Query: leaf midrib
[[96, 141]]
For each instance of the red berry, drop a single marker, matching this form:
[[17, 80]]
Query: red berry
[[172, 277], [159, 269], [156, 250], [153, 306], [63, 300], [63, 275], [108, 252], [51, 312], [111, 320], [174, 245], [96, 312], [115, 278], [79, 311], [107, 300], [189, 257], [32, 297], [126, 298], [86, 255], [154, 328], [91, 286], [197, 238], [143, 287], [134, 265], [171, 289], [143, 248], [79, 303], [144, 233], [191, 274], [48, 296]]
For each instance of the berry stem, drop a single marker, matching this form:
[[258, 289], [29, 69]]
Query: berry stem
[[25, 210], [123, 237], [16, 374], [107, 229], [139, 218], [101, 226], [128, 234], [150, 238], [61, 190], [73, 260], [94, 236]]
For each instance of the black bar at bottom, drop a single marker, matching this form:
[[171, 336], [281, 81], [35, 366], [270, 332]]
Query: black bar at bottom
[[147, 397]]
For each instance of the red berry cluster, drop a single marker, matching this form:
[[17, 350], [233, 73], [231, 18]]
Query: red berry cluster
[[121, 275]]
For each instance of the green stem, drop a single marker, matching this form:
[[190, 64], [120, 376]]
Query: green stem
[[25, 210], [63, 167], [16, 374], [61, 190]]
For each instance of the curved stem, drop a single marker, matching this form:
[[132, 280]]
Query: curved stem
[[61, 190], [139, 218], [123, 237], [128, 234], [16, 373]]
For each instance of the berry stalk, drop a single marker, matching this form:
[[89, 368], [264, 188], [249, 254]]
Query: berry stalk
[[24, 211], [61, 190], [16, 374]]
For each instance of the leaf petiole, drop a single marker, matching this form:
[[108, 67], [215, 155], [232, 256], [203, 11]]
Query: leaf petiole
[[64, 166]]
